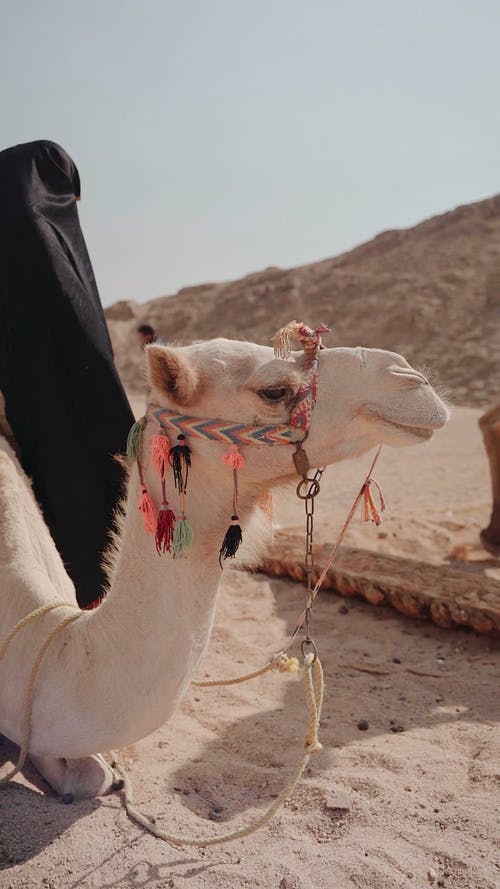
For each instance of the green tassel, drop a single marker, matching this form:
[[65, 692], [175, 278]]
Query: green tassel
[[134, 440], [183, 535]]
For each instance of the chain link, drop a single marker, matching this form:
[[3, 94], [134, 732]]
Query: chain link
[[307, 490]]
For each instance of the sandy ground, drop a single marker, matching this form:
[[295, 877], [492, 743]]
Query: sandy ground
[[411, 801]]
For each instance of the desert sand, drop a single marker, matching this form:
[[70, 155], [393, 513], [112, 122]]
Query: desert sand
[[410, 801]]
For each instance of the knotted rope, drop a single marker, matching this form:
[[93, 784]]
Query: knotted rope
[[280, 662]]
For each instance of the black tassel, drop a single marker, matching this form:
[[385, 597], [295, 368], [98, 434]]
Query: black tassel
[[180, 461], [231, 541]]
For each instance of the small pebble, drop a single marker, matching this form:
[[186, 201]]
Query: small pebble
[[363, 725], [432, 875], [338, 802], [396, 727], [67, 798], [343, 609], [215, 814], [396, 660]]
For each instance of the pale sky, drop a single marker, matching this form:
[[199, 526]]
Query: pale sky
[[217, 137]]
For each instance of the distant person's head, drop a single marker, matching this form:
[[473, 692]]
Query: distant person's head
[[146, 334]]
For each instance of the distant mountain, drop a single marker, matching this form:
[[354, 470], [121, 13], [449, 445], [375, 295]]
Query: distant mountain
[[431, 292]]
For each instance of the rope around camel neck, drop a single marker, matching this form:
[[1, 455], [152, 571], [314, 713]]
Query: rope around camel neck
[[28, 696]]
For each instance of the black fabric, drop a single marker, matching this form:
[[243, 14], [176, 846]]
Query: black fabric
[[64, 399]]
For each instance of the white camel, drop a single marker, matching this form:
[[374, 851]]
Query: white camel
[[117, 673]]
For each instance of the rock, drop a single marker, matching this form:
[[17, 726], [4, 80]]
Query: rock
[[432, 875], [338, 802], [343, 609], [363, 725]]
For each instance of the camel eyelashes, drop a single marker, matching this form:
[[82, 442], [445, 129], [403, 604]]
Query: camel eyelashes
[[277, 393]]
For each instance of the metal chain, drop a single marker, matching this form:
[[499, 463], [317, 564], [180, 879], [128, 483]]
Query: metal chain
[[307, 490]]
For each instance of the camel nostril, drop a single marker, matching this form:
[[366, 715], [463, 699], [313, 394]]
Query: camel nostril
[[409, 375]]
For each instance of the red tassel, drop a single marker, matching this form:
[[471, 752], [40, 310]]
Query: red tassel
[[233, 458], [147, 507], [165, 529]]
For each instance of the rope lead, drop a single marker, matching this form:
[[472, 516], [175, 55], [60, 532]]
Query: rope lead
[[314, 697]]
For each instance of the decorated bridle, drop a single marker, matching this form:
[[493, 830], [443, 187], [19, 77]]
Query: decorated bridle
[[173, 533]]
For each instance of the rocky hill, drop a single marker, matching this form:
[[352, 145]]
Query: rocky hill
[[431, 292]]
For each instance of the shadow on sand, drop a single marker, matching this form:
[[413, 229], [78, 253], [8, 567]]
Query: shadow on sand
[[31, 820], [248, 763]]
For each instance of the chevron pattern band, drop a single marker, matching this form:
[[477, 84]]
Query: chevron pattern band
[[222, 430]]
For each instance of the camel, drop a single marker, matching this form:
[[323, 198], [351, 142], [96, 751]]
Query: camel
[[117, 673], [489, 424]]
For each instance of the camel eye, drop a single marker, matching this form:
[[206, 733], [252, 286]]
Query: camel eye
[[279, 393]]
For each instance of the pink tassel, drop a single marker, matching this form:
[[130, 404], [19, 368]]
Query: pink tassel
[[370, 510], [233, 458], [165, 529], [147, 507], [160, 449]]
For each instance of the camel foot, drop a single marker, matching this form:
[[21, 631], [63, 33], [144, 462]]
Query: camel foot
[[75, 779]]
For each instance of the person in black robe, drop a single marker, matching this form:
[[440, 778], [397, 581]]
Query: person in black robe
[[63, 398]]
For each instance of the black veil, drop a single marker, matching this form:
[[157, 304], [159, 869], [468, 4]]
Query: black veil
[[64, 400]]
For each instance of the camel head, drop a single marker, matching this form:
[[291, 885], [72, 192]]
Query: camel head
[[365, 397]]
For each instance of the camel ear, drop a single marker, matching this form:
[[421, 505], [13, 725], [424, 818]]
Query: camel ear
[[171, 375]]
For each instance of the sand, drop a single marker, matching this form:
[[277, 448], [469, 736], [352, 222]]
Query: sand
[[410, 801]]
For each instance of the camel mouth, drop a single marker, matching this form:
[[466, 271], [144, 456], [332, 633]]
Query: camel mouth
[[421, 433]]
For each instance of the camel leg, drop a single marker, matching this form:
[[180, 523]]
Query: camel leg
[[75, 779], [490, 427]]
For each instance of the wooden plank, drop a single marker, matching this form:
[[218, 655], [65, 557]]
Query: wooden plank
[[449, 596]]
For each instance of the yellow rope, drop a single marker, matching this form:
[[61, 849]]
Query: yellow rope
[[280, 662], [28, 697], [314, 698], [25, 620]]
